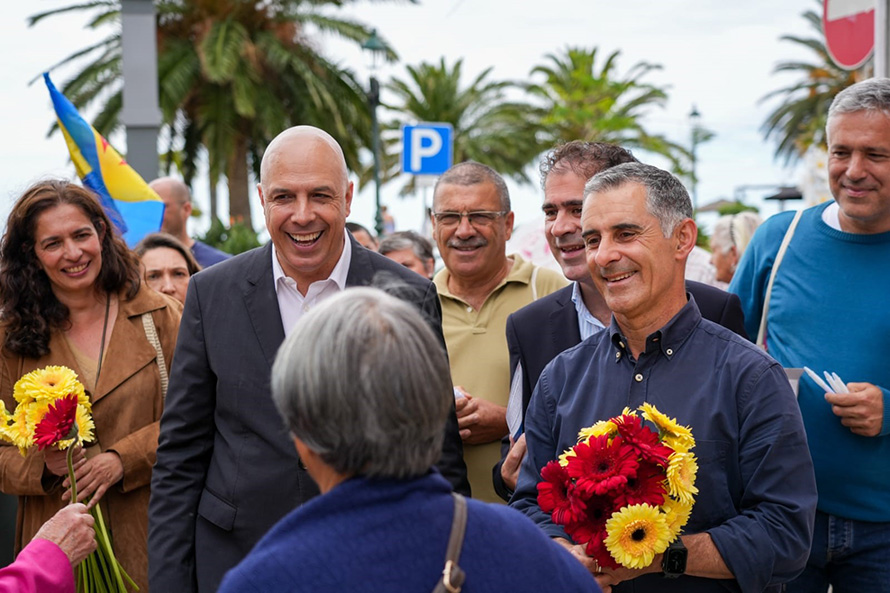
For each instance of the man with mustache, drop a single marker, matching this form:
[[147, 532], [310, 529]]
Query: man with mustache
[[478, 288], [828, 311]]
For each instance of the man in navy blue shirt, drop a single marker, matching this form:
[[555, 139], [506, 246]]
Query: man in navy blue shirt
[[177, 210], [751, 526]]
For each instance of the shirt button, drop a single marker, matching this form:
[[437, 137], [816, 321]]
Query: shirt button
[[638, 377], [617, 355], [669, 352], [305, 308], [469, 309]]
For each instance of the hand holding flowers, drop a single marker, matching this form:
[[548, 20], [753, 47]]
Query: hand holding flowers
[[625, 490], [54, 413]]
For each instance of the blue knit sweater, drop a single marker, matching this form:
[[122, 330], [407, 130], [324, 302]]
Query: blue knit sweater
[[377, 536], [830, 311]]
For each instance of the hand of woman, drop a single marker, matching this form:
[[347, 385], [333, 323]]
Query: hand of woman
[[95, 477], [57, 461]]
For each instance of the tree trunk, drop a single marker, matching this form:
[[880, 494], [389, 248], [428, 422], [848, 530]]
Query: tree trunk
[[236, 171], [214, 215]]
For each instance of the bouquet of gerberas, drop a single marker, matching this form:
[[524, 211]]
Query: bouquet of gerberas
[[53, 410], [625, 490]]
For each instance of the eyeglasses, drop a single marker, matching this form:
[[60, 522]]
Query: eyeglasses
[[477, 218]]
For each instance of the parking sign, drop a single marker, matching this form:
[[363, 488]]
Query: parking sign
[[426, 148]]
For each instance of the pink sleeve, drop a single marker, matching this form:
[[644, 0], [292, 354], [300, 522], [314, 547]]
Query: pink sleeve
[[42, 567]]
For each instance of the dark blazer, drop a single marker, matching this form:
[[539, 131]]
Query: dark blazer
[[539, 331], [227, 469]]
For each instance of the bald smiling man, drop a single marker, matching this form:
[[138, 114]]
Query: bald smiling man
[[226, 468]]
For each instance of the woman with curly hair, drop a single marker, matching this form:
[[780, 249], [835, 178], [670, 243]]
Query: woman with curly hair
[[71, 295]]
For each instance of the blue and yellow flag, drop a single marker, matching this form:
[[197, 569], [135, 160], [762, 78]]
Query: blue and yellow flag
[[133, 207]]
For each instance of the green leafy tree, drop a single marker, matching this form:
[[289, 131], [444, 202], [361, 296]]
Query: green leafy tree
[[798, 122], [232, 74], [488, 127], [583, 100]]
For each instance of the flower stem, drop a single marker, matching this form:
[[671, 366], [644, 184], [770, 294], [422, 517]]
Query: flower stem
[[69, 458]]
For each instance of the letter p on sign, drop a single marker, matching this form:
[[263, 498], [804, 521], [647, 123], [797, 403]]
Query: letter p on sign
[[426, 149]]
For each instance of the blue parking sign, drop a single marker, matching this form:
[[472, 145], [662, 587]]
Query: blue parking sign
[[426, 148]]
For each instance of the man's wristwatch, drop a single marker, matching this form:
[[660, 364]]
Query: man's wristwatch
[[673, 563]]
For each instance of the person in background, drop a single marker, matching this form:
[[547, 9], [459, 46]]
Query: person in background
[[177, 210], [729, 240], [167, 264], [412, 250], [71, 294], [479, 287], [383, 508], [365, 238], [46, 565], [829, 311]]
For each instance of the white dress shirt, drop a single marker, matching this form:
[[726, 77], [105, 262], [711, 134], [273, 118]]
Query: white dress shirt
[[291, 303]]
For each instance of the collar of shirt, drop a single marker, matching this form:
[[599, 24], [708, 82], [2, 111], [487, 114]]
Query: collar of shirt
[[291, 303], [668, 340], [588, 325]]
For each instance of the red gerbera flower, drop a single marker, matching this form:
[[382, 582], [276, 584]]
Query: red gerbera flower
[[57, 422], [597, 550], [591, 523], [647, 486], [644, 440], [599, 466], [554, 494]]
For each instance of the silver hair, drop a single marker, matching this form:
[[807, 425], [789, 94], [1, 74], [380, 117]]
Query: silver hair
[[473, 173], [364, 383], [734, 230], [420, 245], [666, 198], [872, 94]]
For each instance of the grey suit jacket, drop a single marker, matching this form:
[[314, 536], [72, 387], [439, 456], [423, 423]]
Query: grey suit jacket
[[226, 468]]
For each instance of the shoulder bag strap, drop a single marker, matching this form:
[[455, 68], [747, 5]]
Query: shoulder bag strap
[[761, 333], [452, 576], [151, 333]]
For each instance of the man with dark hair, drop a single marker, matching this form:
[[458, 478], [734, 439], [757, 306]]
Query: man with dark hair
[[478, 288], [752, 518], [578, 311], [226, 468], [412, 250], [365, 238]]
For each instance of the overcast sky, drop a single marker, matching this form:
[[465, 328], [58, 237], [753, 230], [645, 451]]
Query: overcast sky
[[716, 55]]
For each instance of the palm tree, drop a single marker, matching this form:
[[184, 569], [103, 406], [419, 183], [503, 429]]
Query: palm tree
[[488, 128], [581, 102], [799, 121], [232, 74]]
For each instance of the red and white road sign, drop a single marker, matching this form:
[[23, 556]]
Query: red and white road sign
[[849, 31]]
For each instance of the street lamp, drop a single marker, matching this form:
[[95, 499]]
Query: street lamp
[[694, 119], [377, 50]]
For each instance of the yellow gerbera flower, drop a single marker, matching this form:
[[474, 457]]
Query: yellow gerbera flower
[[636, 534], [49, 383], [681, 471], [566, 455], [675, 436], [600, 428], [5, 419], [676, 515], [20, 432]]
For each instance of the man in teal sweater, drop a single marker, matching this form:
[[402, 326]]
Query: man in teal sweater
[[828, 310]]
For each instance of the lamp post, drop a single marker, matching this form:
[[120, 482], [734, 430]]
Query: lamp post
[[694, 119], [376, 49]]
